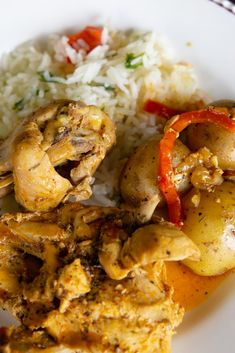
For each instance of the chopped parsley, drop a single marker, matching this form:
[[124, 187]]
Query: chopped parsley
[[133, 61], [106, 87], [46, 76], [19, 105]]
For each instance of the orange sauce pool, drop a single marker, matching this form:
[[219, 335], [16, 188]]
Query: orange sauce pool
[[190, 289]]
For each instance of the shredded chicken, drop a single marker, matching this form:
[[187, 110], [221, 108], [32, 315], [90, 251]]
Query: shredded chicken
[[201, 168], [52, 155], [58, 278]]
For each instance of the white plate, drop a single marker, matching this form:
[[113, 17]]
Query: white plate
[[210, 28]]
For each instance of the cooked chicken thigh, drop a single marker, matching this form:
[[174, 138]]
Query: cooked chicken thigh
[[54, 153], [86, 279]]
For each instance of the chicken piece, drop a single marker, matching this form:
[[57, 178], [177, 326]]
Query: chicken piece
[[24, 340], [201, 168], [72, 283], [57, 282], [157, 241], [38, 186], [52, 155], [120, 254], [6, 185], [139, 183]]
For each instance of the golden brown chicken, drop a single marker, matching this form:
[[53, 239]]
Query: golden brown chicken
[[52, 155], [86, 279]]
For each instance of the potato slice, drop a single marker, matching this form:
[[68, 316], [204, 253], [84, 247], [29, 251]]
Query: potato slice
[[210, 223]]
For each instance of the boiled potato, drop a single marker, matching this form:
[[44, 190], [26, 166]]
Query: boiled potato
[[219, 141], [210, 223]]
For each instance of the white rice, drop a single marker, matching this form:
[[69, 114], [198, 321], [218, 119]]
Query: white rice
[[100, 78]]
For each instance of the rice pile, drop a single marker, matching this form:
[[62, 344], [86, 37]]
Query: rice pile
[[117, 76]]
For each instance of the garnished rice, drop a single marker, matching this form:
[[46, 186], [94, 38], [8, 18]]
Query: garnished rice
[[117, 76]]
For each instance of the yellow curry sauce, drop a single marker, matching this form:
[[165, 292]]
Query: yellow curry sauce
[[190, 289]]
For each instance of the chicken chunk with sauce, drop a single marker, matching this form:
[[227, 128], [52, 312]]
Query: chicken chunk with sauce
[[52, 155], [88, 279]]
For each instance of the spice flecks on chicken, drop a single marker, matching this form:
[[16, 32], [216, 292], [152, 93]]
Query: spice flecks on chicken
[[60, 284], [52, 155]]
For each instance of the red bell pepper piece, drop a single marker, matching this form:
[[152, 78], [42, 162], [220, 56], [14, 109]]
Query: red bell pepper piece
[[92, 36], [160, 109], [166, 173]]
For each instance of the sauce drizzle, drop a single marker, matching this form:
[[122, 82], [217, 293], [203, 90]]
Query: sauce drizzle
[[190, 289]]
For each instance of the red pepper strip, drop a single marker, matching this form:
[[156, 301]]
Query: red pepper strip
[[166, 173], [160, 109], [68, 60], [229, 173], [91, 35]]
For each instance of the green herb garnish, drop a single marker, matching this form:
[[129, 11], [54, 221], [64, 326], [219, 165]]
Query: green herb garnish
[[109, 88], [106, 87], [46, 76], [37, 92], [18, 106], [133, 61]]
